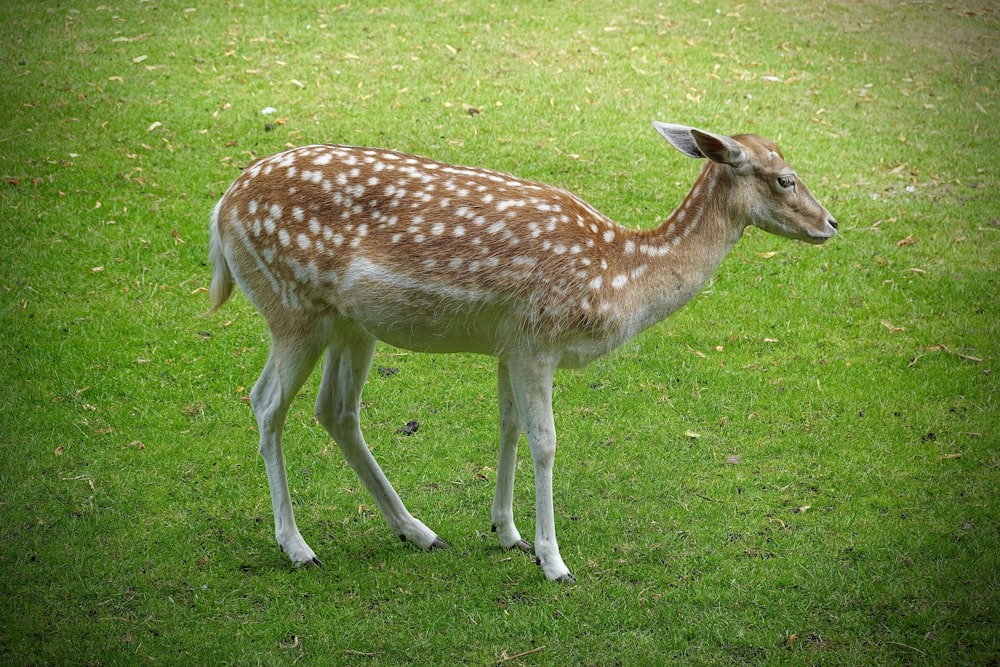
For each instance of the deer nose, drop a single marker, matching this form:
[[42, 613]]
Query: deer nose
[[832, 221]]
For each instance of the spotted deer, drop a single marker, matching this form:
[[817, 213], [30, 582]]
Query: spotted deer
[[339, 247]]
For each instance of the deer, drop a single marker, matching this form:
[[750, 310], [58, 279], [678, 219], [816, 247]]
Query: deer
[[339, 247]]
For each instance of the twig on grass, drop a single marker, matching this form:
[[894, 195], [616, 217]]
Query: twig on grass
[[912, 648], [943, 348], [363, 654], [518, 655]]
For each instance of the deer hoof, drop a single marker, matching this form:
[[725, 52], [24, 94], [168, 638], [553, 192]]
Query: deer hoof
[[522, 545], [308, 563]]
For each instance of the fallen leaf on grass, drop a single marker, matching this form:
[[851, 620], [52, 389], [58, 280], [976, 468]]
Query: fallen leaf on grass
[[692, 434], [734, 460], [909, 240], [892, 328], [696, 352], [81, 478], [945, 457]]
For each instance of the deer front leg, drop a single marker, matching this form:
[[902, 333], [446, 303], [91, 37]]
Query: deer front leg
[[510, 433], [531, 383]]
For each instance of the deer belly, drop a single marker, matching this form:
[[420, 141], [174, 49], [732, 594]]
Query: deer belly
[[412, 313]]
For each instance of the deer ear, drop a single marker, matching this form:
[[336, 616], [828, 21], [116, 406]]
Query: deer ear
[[718, 148], [699, 144], [680, 137]]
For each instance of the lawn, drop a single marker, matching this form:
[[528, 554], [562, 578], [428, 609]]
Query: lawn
[[800, 467]]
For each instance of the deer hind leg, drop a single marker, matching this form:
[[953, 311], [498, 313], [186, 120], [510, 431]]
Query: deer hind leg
[[288, 365], [510, 434], [348, 359]]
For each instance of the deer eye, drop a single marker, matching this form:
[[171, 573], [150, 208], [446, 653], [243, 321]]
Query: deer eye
[[786, 182]]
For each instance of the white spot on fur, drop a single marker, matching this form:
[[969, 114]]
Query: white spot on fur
[[508, 203]]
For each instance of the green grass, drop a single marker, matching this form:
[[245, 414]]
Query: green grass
[[854, 381]]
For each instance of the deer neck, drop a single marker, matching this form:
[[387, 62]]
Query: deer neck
[[674, 261]]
